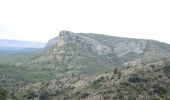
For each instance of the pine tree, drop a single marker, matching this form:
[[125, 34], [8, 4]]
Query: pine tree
[[115, 71], [119, 74]]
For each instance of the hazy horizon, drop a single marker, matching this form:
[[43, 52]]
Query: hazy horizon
[[39, 21]]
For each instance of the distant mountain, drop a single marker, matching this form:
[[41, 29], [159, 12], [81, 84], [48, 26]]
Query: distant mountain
[[93, 53], [17, 45], [113, 49]]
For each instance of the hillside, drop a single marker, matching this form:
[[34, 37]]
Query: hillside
[[91, 53], [147, 82], [87, 65]]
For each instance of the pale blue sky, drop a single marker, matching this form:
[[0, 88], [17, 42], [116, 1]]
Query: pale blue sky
[[40, 20]]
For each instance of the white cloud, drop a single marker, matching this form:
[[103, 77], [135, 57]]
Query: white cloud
[[40, 20]]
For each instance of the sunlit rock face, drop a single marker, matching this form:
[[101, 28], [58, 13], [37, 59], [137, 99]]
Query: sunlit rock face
[[109, 50], [122, 49], [70, 37]]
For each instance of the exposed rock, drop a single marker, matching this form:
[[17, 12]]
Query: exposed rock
[[74, 49], [122, 49], [67, 36]]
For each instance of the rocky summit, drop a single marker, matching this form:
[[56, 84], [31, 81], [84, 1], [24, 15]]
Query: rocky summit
[[124, 50]]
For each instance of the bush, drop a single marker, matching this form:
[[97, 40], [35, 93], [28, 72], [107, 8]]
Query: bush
[[115, 71], [119, 74], [96, 84], [84, 95], [157, 98], [3, 94], [136, 79], [166, 70], [158, 89], [31, 95], [81, 95], [44, 96], [152, 66]]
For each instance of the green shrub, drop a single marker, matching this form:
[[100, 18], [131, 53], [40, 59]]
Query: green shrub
[[84, 95], [45, 96], [166, 70], [158, 89], [137, 79], [3, 94], [31, 95], [115, 71]]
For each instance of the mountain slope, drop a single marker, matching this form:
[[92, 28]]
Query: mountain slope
[[81, 66], [89, 53], [78, 54], [149, 82]]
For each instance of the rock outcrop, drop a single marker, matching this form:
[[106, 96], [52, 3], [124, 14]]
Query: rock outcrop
[[126, 48], [67, 36]]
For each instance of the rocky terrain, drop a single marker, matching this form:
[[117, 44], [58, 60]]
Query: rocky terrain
[[88, 66], [142, 82], [73, 49]]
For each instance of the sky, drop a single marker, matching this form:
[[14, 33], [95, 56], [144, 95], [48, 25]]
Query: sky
[[41, 20]]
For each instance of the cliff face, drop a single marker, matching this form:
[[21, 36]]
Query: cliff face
[[104, 45], [66, 37], [122, 49]]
